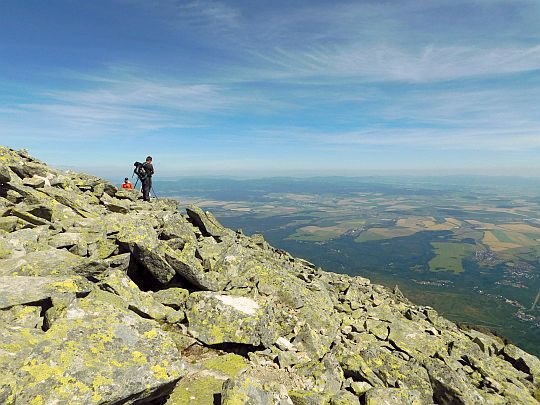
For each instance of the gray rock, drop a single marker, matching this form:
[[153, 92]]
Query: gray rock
[[523, 361], [300, 397], [88, 358], [114, 204], [176, 227], [344, 398], [207, 223], [172, 297], [14, 290], [154, 259], [393, 396], [65, 239], [123, 194], [247, 390], [8, 224], [5, 175], [217, 318], [449, 387], [31, 219], [52, 262], [117, 282], [35, 181]]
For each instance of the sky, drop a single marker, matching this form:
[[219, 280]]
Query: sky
[[259, 88]]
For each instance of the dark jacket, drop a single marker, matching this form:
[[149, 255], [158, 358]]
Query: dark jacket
[[149, 168]]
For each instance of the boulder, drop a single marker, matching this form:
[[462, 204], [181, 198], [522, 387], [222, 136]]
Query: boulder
[[188, 266], [176, 227], [217, 318], [206, 222], [14, 290], [36, 181], [114, 204], [204, 384], [91, 359], [393, 396], [301, 397], [143, 303], [153, 257], [65, 239], [523, 361], [5, 174], [124, 194], [8, 224], [51, 262], [247, 390], [172, 297], [344, 398]]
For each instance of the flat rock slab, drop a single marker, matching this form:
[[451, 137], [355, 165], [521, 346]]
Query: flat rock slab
[[216, 318], [15, 290]]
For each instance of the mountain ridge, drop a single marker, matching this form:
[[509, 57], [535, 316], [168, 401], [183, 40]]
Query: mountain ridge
[[106, 299]]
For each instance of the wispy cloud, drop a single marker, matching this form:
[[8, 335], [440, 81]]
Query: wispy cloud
[[384, 63], [104, 105], [438, 139], [205, 16], [207, 12]]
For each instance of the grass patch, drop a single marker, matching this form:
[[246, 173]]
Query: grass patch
[[502, 236], [368, 236], [384, 233], [315, 233], [450, 256]]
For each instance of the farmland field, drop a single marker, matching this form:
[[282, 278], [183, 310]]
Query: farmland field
[[449, 256]]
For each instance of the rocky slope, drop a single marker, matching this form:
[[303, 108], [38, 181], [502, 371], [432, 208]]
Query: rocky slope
[[105, 299]]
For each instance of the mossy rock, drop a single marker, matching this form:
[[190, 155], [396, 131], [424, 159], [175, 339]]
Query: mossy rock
[[90, 358]]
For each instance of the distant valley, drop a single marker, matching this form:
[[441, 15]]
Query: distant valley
[[469, 247]]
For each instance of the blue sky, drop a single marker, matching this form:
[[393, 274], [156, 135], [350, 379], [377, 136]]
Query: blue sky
[[257, 88]]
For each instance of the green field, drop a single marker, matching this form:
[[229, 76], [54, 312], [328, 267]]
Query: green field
[[502, 236], [449, 256]]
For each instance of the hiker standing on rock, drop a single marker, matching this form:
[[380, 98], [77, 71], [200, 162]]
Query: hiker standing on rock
[[147, 180]]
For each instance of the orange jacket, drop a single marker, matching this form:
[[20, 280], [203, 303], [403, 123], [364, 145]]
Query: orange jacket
[[128, 185]]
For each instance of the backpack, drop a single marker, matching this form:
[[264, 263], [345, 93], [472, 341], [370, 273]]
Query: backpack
[[140, 171]]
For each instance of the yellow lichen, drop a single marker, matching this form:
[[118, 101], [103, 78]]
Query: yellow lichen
[[138, 357], [97, 397], [37, 400], [115, 363], [150, 334], [67, 285], [99, 381], [160, 372], [41, 371]]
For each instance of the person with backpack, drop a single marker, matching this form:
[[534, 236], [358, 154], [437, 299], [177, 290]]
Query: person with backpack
[[147, 182], [144, 172]]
